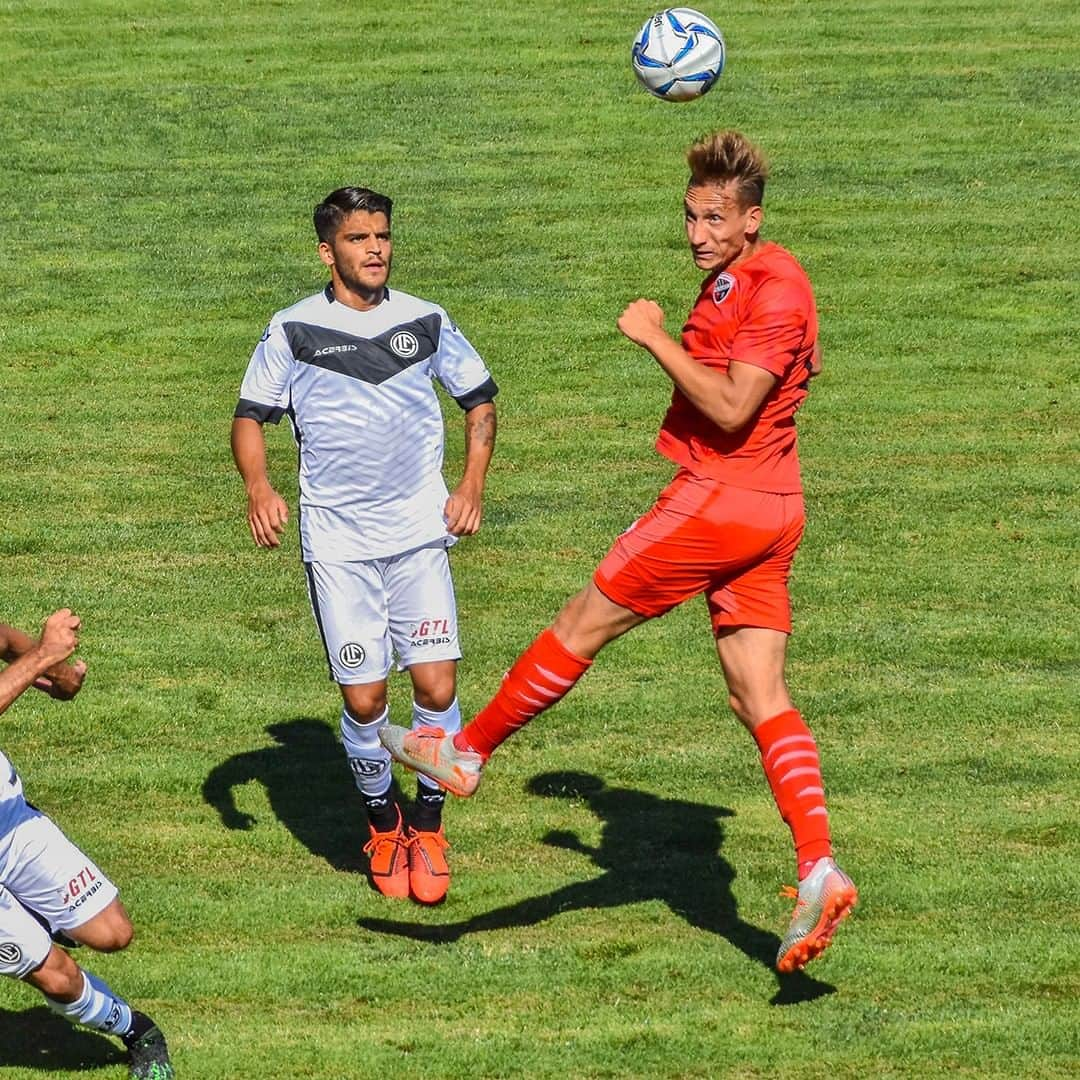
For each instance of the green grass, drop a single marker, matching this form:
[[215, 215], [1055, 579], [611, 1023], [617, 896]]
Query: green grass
[[158, 168]]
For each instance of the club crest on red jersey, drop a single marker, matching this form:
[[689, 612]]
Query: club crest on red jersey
[[722, 288]]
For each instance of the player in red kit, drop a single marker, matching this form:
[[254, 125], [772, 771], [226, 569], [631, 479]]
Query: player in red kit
[[727, 525]]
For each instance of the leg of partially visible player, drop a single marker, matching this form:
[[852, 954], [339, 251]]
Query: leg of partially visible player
[[542, 676], [84, 998], [753, 660]]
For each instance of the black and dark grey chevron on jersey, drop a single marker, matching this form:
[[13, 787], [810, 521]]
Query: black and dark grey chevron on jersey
[[371, 360]]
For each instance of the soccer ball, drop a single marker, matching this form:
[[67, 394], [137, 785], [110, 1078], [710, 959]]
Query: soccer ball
[[678, 54]]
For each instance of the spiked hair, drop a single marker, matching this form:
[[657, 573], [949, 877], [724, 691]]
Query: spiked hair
[[725, 156]]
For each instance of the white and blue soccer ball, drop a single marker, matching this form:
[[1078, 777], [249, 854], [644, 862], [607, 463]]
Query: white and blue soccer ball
[[678, 54]]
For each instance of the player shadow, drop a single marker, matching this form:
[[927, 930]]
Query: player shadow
[[650, 849], [309, 788], [39, 1039]]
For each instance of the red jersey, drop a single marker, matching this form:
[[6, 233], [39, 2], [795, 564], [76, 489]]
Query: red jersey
[[760, 311]]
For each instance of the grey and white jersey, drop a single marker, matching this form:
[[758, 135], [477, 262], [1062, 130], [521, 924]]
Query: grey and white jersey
[[11, 795], [357, 388]]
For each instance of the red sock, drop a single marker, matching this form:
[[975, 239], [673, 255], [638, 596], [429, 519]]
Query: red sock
[[793, 769], [544, 674]]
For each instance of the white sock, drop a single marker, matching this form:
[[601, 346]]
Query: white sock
[[96, 1007], [369, 761], [449, 720]]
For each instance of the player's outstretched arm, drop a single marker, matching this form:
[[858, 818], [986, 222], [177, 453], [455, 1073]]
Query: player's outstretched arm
[[32, 660], [730, 399], [268, 512], [464, 508]]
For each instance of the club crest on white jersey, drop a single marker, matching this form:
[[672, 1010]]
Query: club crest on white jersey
[[404, 343]]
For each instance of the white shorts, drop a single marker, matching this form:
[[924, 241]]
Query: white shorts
[[368, 611], [46, 884]]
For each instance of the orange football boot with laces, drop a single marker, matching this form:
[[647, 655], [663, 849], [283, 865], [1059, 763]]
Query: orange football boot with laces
[[388, 860], [429, 874]]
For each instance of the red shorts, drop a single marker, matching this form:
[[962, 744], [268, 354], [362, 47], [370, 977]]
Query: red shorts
[[733, 544]]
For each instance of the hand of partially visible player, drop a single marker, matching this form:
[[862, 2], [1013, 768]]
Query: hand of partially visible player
[[268, 514], [463, 510], [63, 681], [814, 365], [642, 321], [59, 636]]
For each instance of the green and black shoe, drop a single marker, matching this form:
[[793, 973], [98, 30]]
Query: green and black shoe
[[148, 1054]]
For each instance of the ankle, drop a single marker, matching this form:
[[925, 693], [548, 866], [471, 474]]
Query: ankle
[[462, 743]]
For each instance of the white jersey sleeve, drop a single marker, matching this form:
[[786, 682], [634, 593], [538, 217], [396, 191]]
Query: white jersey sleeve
[[266, 390], [459, 369]]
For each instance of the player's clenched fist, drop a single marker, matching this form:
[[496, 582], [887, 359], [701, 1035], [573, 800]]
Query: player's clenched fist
[[641, 321], [60, 635]]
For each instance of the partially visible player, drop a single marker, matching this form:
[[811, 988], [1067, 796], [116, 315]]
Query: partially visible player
[[48, 888], [353, 367], [727, 525]]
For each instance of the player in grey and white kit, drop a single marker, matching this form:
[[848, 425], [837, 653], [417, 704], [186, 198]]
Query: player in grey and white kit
[[353, 367], [48, 887]]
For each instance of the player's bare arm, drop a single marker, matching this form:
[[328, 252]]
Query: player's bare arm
[[59, 639], [730, 399], [464, 508], [61, 681], [268, 512]]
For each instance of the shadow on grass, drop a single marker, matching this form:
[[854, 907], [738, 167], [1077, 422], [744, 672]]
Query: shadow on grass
[[309, 787], [39, 1039], [650, 849]]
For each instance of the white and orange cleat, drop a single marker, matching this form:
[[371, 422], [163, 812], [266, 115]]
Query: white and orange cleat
[[429, 750], [823, 900]]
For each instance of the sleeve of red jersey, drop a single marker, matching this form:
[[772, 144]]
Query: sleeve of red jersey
[[775, 328]]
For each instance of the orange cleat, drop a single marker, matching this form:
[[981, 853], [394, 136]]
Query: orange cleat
[[388, 855], [429, 874], [823, 900]]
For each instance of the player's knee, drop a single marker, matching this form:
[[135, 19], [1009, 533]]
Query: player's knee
[[434, 684], [111, 938], [111, 931], [437, 696], [118, 937], [365, 702]]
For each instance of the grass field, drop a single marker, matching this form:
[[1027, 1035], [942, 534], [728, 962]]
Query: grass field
[[615, 908]]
